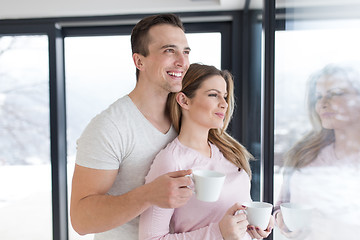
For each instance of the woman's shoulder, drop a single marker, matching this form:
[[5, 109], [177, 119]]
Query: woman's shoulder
[[165, 161], [325, 157], [170, 151]]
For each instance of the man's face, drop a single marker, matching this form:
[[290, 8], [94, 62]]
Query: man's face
[[168, 58]]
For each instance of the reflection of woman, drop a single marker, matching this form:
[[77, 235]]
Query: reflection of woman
[[201, 113], [322, 169]]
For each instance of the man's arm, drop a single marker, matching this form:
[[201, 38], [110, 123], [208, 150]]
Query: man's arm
[[92, 210]]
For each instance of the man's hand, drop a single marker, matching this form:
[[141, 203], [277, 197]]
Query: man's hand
[[170, 190]]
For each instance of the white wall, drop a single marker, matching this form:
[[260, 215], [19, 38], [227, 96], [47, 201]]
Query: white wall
[[17, 9], [14, 9]]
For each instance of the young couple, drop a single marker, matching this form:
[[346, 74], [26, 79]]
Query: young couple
[[186, 116]]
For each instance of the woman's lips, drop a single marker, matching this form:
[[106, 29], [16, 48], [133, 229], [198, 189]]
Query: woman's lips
[[221, 115], [327, 114]]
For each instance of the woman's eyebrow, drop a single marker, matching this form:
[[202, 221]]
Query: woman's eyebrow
[[216, 90], [213, 89]]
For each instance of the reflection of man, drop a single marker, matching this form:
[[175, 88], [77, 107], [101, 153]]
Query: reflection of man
[[116, 149]]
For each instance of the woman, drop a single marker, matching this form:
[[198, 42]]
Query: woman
[[321, 170], [200, 114]]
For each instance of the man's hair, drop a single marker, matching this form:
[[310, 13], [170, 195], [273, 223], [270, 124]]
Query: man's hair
[[140, 37]]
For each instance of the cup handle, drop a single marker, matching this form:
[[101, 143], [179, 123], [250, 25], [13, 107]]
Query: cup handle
[[193, 180], [239, 211]]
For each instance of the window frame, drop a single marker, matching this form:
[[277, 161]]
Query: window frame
[[228, 23]]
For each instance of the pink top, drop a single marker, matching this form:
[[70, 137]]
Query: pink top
[[196, 219], [330, 187]]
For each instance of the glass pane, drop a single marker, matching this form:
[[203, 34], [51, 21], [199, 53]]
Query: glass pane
[[317, 144], [99, 70], [205, 48], [25, 172]]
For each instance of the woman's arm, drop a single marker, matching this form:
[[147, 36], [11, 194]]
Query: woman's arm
[[155, 222]]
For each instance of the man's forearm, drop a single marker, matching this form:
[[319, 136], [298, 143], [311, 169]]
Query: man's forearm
[[100, 213]]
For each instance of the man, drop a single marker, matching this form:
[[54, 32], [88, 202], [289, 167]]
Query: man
[[116, 149]]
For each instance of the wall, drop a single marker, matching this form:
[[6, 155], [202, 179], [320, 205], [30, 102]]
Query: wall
[[15, 9]]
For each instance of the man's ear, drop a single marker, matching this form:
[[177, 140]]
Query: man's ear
[[138, 61], [182, 100]]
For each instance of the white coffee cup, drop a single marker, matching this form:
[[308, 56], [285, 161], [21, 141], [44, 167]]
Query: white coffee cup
[[296, 216], [208, 184], [258, 213]]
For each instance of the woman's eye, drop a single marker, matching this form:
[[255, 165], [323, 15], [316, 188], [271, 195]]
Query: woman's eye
[[212, 95], [337, 93]]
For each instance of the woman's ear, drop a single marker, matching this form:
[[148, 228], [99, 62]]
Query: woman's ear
[[182, 100], [138, 61]]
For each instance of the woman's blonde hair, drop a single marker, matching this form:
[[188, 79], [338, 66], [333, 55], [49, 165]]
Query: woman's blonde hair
[[307, 149], [230, 148]]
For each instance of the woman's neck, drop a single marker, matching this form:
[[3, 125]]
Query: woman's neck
[[195, 139], [347, 144]]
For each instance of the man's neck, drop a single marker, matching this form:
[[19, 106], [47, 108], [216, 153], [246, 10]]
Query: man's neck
[[153, 106]]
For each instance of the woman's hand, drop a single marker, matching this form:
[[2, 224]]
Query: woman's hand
[[258, 233], [233, 226], [300, 234]]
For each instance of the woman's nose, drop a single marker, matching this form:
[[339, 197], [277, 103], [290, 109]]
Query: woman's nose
[[324, 101], [223, 103]]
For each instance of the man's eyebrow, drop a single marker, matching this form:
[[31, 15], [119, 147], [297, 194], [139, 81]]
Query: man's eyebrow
[[174, 46], [169, 46]]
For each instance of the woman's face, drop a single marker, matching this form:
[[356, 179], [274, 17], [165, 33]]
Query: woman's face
[[208, 107], [338, 103]]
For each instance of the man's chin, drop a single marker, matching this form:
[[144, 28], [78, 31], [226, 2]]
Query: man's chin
[[175, 89]]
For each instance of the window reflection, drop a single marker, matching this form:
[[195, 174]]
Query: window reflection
[[25, 173], [317, 134]]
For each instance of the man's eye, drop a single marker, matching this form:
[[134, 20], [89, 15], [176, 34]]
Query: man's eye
[[169, 50], [187, 52]]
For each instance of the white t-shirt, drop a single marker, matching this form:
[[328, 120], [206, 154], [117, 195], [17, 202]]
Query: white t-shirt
[[121, 138]]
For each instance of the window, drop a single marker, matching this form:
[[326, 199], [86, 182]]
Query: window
[[325, 52], [25, 171], [99, 70], [33, 56]]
